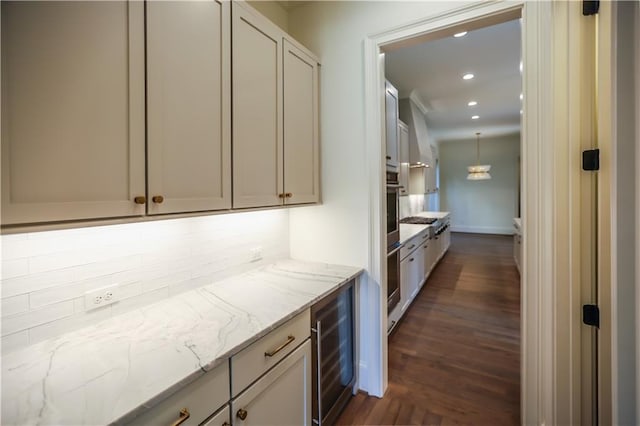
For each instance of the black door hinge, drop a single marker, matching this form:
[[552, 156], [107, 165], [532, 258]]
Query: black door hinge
[[591, 159], [590, 7], [591, 315]]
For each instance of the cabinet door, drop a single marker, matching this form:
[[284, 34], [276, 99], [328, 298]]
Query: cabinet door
[[391, 112], [426, 257], [221, 418], [405, 282], [281, 397], [188, 108], [257, 110], [72, 110], [301, 153], [403, 131]]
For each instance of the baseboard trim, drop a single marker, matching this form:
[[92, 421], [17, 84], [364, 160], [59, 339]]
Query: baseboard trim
[[483, 229]]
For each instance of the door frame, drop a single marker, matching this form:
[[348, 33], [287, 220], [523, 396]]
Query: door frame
[[539, 360]]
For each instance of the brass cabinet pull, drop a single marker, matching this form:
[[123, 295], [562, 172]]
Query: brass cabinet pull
[[290, 339], [226, 424], [412, 246], [140, 199], [242, 414], [158, 199], [288, 195], [424, 246], [184, 415], [411, 260], [281, 195], [388, 157]]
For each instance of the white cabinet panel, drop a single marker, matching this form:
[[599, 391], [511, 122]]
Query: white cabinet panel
[[72, 110], [257, 110], [280, 397], [301, 147], [200, 399], [221, 418], [391, 113], [188, 106], [403, 176]]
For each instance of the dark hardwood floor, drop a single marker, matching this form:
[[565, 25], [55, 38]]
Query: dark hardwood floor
[[455, 358]]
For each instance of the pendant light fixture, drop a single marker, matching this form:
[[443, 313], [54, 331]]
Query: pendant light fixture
[[478, 172]]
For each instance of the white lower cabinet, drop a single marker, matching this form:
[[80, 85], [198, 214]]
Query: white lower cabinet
[[281, 397], [194, 403], [221, 418], [412, 273]]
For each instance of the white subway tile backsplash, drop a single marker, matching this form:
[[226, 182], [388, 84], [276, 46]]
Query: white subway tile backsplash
[[45, 274], [66, 292], [139, 301], [15, 305], [14, 268], [33, 282], [26, 320]]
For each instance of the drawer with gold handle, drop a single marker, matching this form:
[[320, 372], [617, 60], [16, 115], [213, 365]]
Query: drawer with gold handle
[[254, 360]]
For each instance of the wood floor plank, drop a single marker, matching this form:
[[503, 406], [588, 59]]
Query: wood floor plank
[[455, 357]]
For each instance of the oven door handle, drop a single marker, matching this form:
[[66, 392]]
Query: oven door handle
[[395, 250], [394, 185]]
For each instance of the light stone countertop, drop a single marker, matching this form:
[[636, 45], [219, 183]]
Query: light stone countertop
[[409, 230], [116, 369], [437, 215]]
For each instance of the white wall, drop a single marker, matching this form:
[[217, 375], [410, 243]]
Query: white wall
[[45, 274], [273, 11], [338, 230], [480, 206]]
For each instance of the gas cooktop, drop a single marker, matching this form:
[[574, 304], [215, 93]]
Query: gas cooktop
[[417, 220]]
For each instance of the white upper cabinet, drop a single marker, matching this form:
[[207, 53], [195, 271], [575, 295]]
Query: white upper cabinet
[[228, 101], [392, 117], [301, 147], [72, 110], [257, 110], [188, 106], [275, 115]]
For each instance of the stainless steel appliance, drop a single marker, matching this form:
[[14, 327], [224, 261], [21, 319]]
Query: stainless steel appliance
[[393, 241], [332, 337], [393, 277], [393, 209]]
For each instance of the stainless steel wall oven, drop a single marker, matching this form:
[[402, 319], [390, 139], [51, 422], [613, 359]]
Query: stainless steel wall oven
[[393, 241]]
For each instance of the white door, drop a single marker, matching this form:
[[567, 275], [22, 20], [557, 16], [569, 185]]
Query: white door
[[301, 146], [72, 110], [188, 106], [257, 110], [281, 397]]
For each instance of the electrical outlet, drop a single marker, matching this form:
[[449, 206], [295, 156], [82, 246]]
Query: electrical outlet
[[256, 254], [101, 297]]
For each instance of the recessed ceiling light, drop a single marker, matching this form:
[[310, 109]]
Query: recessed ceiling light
[[461, 34], [520, 112], [520, 66], [472, 103], [521, 96], [475, 117], [468, 76]]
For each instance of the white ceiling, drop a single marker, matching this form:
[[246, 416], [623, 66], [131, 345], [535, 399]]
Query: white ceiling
[[433, 70]]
